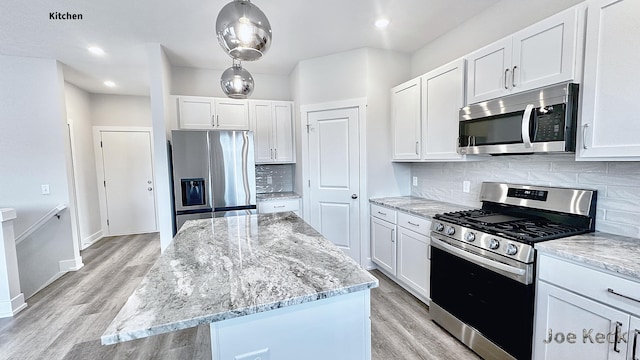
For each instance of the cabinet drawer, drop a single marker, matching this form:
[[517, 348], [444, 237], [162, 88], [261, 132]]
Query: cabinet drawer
[[267, 207], [383, 213], [414, 223], [591, 283]]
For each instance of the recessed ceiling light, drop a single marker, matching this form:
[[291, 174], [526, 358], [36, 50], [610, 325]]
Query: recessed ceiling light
[[96, 50], [382, 23], [110, 83]]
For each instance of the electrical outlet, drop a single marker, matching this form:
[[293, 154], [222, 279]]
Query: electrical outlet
[[254, 355], [415, 181], [466, 186], [269, 180], [45, 189]]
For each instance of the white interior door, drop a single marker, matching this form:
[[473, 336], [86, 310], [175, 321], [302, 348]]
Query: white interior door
[[334, 173], [128, 182]]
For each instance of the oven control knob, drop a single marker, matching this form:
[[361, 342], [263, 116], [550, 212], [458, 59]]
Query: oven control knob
[[494, 244], [469, 236], [439, 227], [511, 249], [450, 230]]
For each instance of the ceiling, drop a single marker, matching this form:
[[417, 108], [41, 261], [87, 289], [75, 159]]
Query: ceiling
[[302, 29]]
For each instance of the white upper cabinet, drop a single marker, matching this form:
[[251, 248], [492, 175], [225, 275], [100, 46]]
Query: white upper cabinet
[[442, 98], [405, 120], [198, 112], [610, 123], [272, 124], [540, 55]]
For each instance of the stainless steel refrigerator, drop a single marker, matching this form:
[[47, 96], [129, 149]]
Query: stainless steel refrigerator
[[213, 174]]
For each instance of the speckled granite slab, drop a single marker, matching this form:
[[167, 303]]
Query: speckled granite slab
[[618, 254], [418, 206], [277, 196], [222, 268]]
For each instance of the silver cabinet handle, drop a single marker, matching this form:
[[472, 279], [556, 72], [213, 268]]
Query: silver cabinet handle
[[506, 75], [417, 144], [213, 120], [276, 151], [513, 76], [526, 121], [271, 156], [218, 120], [392, 239], [381, 213], [611, 291], [278, 206], [410, 223], [584, 135], [617, 337], [635, 345]]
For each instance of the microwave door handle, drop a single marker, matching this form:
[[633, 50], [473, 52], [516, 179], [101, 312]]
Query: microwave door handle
[[526, 121]]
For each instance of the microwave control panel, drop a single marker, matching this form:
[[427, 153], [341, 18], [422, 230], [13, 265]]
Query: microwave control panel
[[549, 124]]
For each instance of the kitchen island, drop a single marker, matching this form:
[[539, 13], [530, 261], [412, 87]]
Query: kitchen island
[[269, 285]]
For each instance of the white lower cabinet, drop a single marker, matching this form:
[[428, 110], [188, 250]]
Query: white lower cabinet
[[578, 316], [274, 206], [399, 246], [413, 260]]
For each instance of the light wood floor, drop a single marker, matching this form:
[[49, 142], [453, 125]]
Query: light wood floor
[[66, 319]]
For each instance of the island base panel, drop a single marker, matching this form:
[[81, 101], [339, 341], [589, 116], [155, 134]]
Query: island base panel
[[337, 328]]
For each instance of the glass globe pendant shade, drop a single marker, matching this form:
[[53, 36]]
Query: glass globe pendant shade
[[243, 30], [237, 82]]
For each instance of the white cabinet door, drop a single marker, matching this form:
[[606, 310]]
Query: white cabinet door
[[562, 313], [283, 132], [610, 121], [383, 244], [262, 124], [231, 114], [413, 262], [545, 53], [196, 112], [274, 206], [488, 72], [634, 339], [405, 120], [442, 98]]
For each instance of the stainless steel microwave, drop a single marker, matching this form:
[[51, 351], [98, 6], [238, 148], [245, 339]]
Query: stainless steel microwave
[[538, 121]]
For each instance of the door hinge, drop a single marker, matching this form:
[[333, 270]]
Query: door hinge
[[308, 127], [100, 143], [107, 222], [105, 183], [309, 183]]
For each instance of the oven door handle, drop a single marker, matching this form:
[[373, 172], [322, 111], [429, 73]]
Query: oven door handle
[[476, 258], [526, 121]]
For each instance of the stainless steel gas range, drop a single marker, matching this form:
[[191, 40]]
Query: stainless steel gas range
[[483, 262]]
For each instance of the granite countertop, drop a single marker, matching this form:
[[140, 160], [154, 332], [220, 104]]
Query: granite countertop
[[615, 253], [277, 196], [223, 268], [418, 206]]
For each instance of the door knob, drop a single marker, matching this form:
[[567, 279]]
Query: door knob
[[149, 188], [354, 196]]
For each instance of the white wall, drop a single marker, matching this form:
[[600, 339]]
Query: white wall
[[159, 89], [120, 110], [206, 82], [34, 148], [78, 104], [496, 22]]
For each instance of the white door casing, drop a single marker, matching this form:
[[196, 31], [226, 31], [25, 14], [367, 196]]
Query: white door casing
[[334, 177], [124, 163]]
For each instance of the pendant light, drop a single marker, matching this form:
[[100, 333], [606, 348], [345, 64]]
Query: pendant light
[[243, 30], [236, 82]]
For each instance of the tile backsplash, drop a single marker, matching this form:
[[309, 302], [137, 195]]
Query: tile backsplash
[[618, 183], [274, 178]]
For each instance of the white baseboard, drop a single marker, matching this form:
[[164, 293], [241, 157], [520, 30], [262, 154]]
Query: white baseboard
[[48, 282], [92, 239], [11, 307], [71, 265]]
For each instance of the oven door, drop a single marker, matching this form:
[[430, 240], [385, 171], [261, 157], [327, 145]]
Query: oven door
[[488, 311]]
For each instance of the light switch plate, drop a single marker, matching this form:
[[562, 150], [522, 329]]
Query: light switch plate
[[415, 181], [254, 355], [45, 189], [466, 186]]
